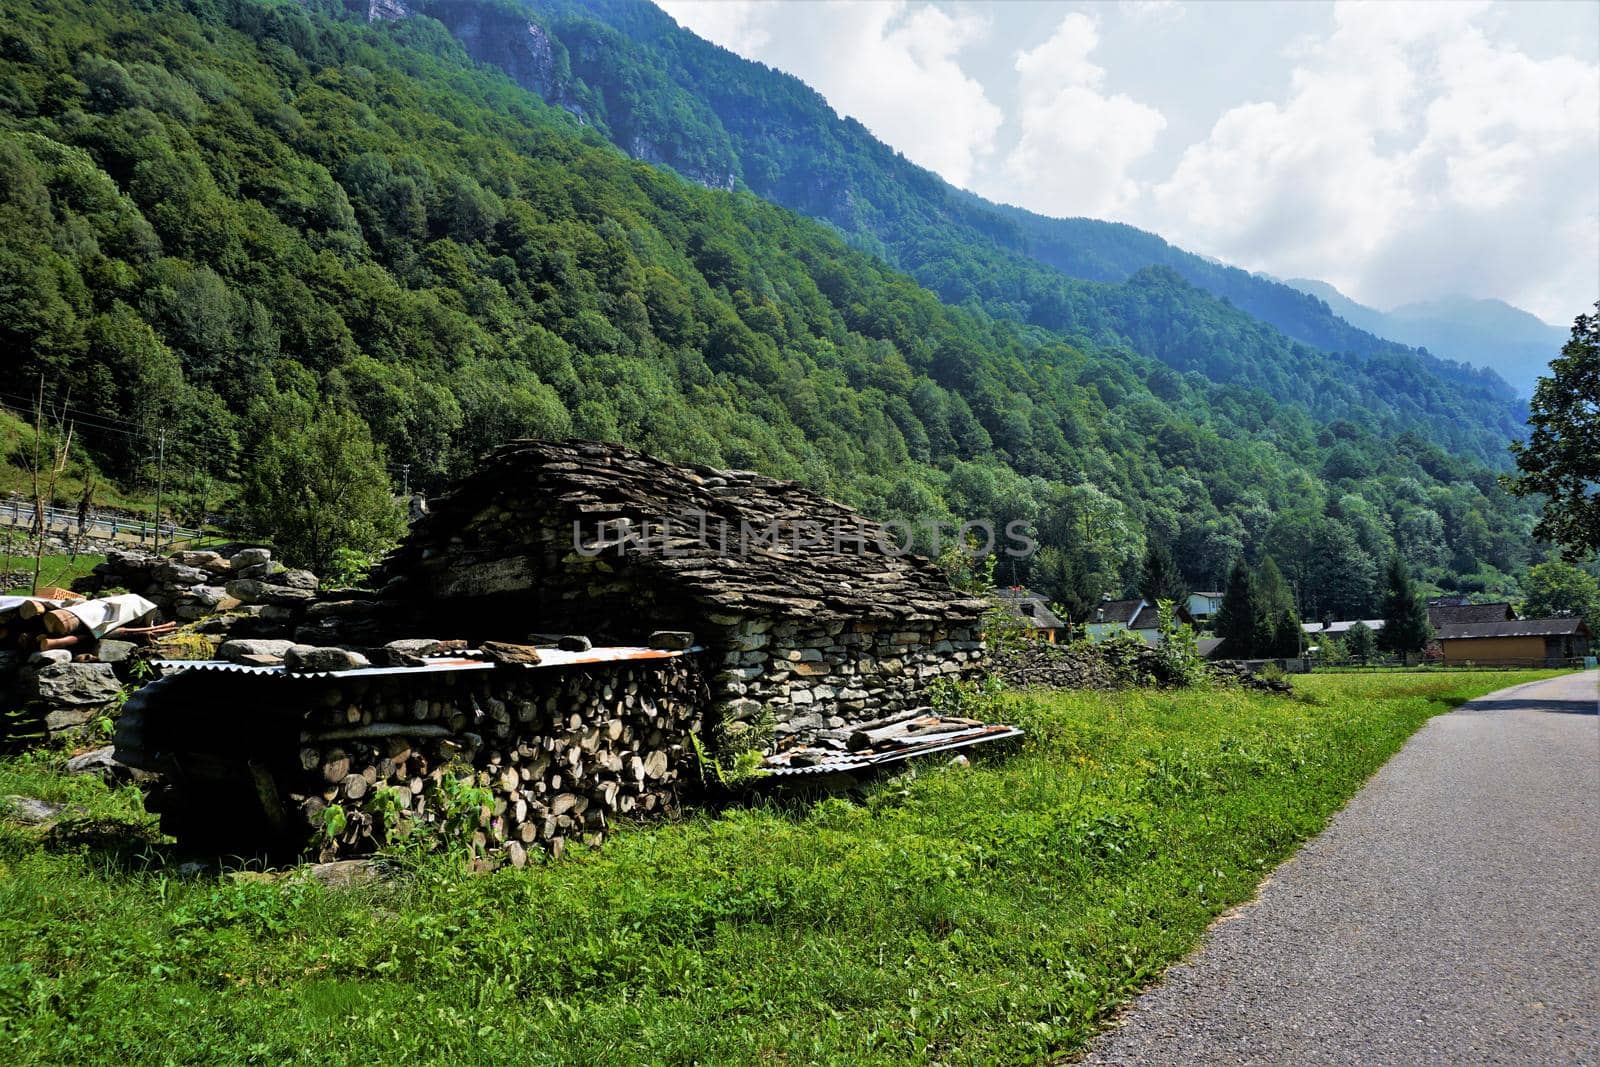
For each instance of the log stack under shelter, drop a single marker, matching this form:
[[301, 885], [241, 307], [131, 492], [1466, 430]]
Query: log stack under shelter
[[497, 758]]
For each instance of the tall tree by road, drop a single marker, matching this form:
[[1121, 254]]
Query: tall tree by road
[[1561, 457], [1557, 588], [1241, 618]]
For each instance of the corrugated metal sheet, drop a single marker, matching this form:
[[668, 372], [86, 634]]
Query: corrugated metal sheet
[[468, 660], [847, 762], [441, 666]]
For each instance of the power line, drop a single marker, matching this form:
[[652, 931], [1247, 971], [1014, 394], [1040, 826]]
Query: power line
[[93, 421]]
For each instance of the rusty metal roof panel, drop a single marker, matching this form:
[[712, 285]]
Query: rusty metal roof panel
[[560, 657]]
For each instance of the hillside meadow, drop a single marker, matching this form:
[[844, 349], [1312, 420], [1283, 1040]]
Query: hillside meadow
[[991, 913]]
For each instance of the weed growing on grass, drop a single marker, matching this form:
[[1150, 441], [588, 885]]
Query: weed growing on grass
[[991, 914]]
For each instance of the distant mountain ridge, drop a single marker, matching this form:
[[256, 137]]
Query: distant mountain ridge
[[1514, 344], [660, 93]]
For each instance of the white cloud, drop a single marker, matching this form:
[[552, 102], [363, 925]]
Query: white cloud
[[734, 24], [1412, 156], [1075, 142], [1412, 151], [1152, 10], [894, 67]]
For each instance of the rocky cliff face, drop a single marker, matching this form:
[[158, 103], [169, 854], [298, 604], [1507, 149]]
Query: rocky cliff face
[[374, 10], [535, 61], [520, 48]]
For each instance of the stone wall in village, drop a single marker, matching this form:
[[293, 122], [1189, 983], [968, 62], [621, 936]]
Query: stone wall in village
[[813, 679]]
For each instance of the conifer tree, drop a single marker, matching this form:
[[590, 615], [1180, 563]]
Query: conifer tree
[[1280, 634], [1160, 578], [1405, 613], [1240, 620]]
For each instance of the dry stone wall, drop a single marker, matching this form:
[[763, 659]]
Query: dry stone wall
[[812, 679]]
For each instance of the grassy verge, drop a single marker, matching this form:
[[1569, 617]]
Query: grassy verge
[[57, 570], [988, 914]]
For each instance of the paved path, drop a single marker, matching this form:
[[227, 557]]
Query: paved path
[[1449, 914]]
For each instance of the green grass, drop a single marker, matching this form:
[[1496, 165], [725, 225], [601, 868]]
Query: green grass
[[989, 914], [57, 570]]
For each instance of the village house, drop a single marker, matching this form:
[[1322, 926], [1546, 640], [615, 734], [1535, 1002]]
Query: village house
[[1457, 611], [1140, 617], [1031, 612], [1204, 605], [1339, 628], [1515, 642]]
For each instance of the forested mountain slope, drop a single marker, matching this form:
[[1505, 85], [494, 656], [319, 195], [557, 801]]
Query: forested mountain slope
[[665, 95], [218, 215]]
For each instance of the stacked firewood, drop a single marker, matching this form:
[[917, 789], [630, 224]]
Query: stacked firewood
[[508, 760], [62, 621]]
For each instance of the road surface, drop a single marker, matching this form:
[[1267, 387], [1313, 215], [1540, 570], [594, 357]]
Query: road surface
[[1449, 914]]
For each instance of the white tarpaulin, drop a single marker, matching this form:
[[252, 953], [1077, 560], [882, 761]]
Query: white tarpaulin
[[102, 616], [9, 604]]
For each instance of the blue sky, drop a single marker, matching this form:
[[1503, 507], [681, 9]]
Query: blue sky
[[1398, 151]]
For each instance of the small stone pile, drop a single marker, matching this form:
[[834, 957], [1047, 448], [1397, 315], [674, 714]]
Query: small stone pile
[[189, 586]]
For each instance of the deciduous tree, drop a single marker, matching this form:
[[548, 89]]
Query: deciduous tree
[[1561, 457], [320, 486]]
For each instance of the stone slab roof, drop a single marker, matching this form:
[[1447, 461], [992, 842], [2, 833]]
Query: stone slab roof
[[1122, 611], [707, 531]]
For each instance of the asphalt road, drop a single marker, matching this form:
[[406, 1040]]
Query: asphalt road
[[1449, 914]]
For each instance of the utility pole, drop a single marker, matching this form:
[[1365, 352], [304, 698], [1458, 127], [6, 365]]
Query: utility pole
[[161, 471]]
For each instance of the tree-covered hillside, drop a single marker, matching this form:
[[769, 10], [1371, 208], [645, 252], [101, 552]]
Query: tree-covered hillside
[[221, 216], [665, 95]]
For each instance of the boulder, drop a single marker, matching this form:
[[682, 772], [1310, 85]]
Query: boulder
[[418, 646], [178, 574], [109, 651], [251, 557], [101, 762], [308, 659], [255, 591], [208, 596], [574, 643], [504, 652], [236, 650], [672, 640], [298, 579], [30, 810], [70, 685]]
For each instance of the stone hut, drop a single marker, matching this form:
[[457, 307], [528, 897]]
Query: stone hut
[[810, 613]]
